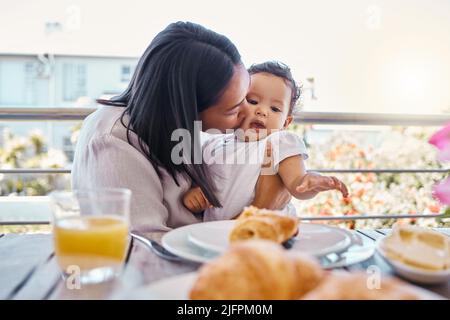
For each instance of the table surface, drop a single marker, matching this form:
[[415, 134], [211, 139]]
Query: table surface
[[28, 268]]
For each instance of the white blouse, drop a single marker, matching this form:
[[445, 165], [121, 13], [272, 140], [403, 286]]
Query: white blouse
[[104, 158]]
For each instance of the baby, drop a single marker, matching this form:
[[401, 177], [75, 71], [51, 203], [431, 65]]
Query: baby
[[272, 96]]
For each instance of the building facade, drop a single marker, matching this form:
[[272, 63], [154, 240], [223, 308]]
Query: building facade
[[44, 80]]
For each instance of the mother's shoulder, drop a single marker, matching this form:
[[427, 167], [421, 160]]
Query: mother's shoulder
[[105, 130], [105, 121]]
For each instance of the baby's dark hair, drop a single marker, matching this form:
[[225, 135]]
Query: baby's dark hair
[[281, 70]]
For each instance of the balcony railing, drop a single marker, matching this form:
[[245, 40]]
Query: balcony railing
[[330, 118], [323, 118], [343, 118], [66, 171]]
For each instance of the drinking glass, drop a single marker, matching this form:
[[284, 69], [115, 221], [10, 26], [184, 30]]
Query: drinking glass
[[91, 232]]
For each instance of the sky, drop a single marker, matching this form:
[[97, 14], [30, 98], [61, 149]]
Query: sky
[[364, 55]]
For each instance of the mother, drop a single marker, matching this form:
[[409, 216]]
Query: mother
[[187, 73]]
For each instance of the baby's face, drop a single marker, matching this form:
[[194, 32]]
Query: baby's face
[[268, 104]]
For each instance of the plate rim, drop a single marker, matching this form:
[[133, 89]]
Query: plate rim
[[165, 242], [398, 265], [197, 255], [349, 239]]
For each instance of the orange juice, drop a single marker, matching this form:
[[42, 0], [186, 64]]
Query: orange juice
[[90, 242]]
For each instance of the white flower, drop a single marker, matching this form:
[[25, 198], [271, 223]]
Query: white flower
[[54, 159]]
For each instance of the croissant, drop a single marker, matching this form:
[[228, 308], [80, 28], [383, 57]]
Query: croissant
[[254, 223], [256, 269], [357, 286]]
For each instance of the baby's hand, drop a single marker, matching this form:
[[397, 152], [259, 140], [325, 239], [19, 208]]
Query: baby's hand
[[195, 200], [313, 182]]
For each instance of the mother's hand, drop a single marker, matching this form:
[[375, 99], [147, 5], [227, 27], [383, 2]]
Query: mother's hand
[[270, 191]]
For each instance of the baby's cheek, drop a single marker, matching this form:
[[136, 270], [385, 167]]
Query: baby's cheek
[[276, 123]]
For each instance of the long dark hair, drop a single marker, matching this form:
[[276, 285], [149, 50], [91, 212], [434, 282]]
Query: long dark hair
[[184, 70]]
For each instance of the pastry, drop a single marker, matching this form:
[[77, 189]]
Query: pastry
[[256, 269], [254, 223], [358, 286], [418, 247]]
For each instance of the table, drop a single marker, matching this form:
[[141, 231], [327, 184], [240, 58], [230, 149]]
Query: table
[[28, 268]]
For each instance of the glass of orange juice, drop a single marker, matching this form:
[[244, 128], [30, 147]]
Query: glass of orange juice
[[91, 232]]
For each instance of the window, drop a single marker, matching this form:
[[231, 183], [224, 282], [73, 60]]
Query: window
[[30, 74], [74, 81], [12, 82], [126, 73], [68, 148]]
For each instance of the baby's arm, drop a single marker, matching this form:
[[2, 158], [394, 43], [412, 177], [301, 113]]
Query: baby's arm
[[195, 201], [305, 185]]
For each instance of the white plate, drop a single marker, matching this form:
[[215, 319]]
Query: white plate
[[178, 288], [315, 239], [411, 273], [176, 241], [173, 288]]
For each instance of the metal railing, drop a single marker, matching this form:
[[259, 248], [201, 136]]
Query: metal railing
[[66, 171], [305, 218], [324, 118], [343, 118], [37, 114], [306, 117]]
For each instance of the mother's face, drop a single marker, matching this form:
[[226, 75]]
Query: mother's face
[[225, 114]]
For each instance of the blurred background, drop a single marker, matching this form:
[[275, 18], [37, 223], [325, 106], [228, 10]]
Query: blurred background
[[376, 79]]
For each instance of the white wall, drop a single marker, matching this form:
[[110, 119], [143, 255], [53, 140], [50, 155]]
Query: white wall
[[366, 55]]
